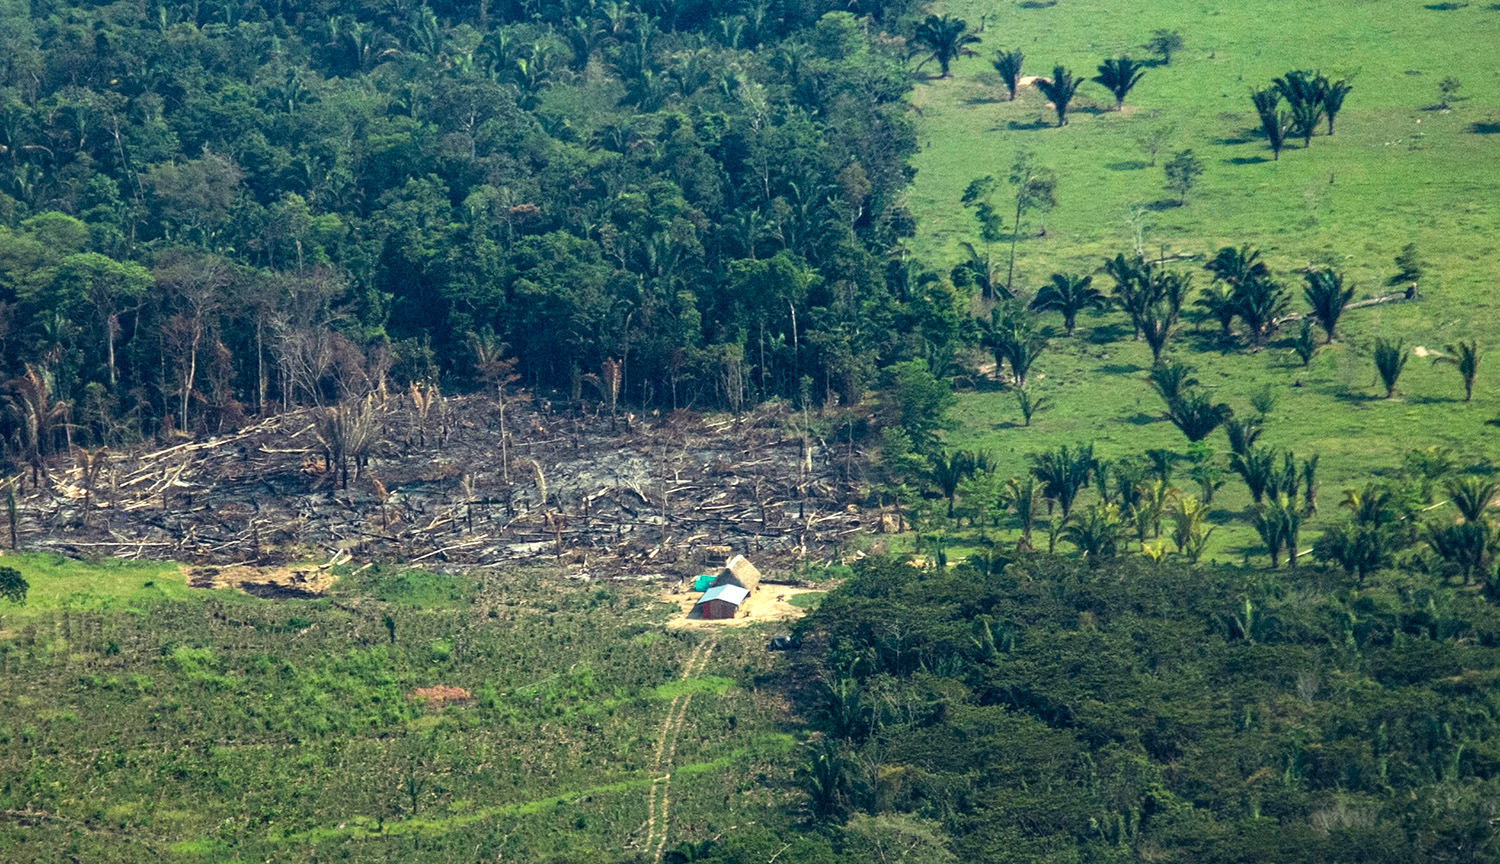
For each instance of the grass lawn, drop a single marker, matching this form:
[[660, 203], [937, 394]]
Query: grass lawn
[[58, 583], [1396, 171]]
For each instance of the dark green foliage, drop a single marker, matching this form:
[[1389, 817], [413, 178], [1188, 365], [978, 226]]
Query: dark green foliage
[[1064, 473], [1390, 360], [946, 37], [1069, 295], [301, 201], [1275, 122], [1127, 707], [1196, 415], [1463, 356], [1119, 77], [1306, 343], [1172, 380], [1013, 339], [1008, 65], [1059, 90], [13, 586], [1333, 99], [916, 401], [1326, 295], [1306, 93]]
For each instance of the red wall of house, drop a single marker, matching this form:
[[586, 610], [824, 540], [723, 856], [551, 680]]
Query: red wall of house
[[715, 610]]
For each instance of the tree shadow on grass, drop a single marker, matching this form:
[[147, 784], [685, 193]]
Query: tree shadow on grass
[[1246, 160], [1445, 7], [1119, 369], [1107, 333], [1141, 418], [1162, 205], [1037, 4], [1130, 165], [1018, 126], [1349, 397], [1006, 424], [1432, 400], [1485, 128], [1233, 142]]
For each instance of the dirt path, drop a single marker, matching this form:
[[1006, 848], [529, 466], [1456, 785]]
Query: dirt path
[[666, 749]]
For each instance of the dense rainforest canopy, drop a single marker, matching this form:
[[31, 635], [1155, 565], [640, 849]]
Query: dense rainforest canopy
[[209, 211]]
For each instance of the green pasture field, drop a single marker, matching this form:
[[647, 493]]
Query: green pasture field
[[196, 726], [1396, 171]]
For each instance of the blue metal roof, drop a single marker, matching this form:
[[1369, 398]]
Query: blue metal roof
[[733, 594]]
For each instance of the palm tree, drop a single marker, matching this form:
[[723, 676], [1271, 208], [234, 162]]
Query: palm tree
[[1279, 525], [1063, 473], [1236, 267], [1310, 484], [1257, 467], [1008, 64], [1465, 357], [1261, 304], [946, 37], [1333, 99], [1059, 91], [1326, 294], [1305, 93], [1156, 327], [1275, 122], [1243, 432], [1069, 295], [1196, 415], [1013, 339], [1187, 528], [1020, 496], [1097, 532], [1472, 496], [1172, 379], [1217, 302], [1118, 77], [1390, 359], [951, 469], [1030, 405], [1306, 344]]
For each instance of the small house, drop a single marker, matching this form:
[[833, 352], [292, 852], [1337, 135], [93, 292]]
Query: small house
[[721, 602], [739, 572]]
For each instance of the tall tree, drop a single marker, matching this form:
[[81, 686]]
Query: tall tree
[[1059, 90], [1326, 295], [1008, 65], [946, 37], [1275, 122], [1035, 190], [1390, 360], [1119, 76], [1463, 356], [1333, 99], [1069, 295]]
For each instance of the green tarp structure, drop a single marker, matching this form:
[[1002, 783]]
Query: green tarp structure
[[702, 582]]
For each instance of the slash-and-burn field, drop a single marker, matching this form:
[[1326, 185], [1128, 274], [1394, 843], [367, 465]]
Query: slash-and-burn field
[[426, 479]]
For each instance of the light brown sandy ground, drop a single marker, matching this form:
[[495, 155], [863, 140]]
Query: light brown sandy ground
[[768, 603]]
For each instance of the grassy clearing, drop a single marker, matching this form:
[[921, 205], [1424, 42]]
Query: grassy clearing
[[808, 600], [58, 583], [1396, 171]]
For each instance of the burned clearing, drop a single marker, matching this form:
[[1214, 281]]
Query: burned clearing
[[423, 478]]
